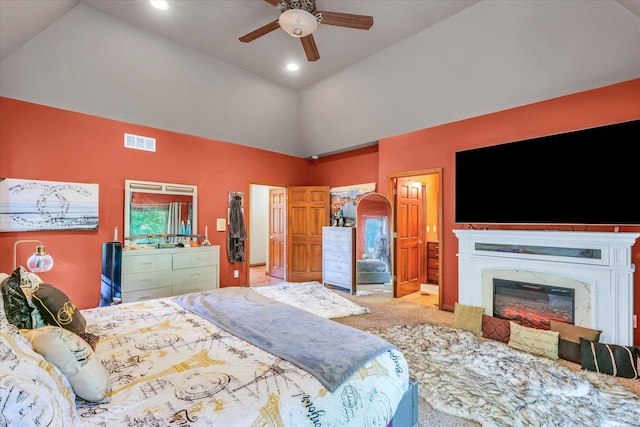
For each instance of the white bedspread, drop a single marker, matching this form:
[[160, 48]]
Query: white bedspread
[[171, 367]]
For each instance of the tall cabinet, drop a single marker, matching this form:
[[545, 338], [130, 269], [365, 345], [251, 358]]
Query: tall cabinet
[[137, 275], [338, 257]]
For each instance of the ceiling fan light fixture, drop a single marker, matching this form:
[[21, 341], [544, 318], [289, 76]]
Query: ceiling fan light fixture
[[297, 22]]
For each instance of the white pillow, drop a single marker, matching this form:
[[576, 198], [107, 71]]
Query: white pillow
[[34, 392], [75, 359]]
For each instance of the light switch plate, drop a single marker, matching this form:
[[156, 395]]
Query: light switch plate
[[221, 224]]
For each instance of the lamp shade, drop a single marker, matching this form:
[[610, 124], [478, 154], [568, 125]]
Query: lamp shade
[[40, 261], [297, 22]]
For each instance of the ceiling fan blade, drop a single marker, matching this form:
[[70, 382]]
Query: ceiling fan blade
[[273, 2], [265, 29], [310, 48], [359, 22]]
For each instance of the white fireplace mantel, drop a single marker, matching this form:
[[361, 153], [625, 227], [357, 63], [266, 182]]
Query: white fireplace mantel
[[596, 264]]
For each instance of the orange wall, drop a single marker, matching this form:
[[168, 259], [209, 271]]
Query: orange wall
[[38, 142], [358, 166], [436, 147], [43, 143]]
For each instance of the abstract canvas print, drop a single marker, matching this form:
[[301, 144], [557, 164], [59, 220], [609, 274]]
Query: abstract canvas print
[[32, 205]]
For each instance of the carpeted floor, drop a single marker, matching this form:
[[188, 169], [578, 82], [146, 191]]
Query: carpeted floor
[[385, 313]]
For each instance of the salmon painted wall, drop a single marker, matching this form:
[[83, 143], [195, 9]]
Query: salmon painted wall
[[358, 166], [38, 142], [43, 143], [435, 147]]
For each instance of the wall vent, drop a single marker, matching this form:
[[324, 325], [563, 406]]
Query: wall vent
[[139, 142]]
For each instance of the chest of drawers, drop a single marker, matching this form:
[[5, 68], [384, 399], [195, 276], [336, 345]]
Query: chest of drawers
[[157, 273], [338, 251], [433, 263]]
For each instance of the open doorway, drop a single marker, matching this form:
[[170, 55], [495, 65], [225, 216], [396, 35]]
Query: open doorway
[[417, 227], [267, 231]]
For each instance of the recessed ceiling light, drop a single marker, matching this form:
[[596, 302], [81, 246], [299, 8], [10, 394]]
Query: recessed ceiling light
[[293, 67], [159, 4]]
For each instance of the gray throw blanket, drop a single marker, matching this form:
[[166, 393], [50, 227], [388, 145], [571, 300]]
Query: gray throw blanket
[[328, 350]]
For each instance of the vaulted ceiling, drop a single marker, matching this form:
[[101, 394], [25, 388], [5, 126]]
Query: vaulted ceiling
[[422, 63]]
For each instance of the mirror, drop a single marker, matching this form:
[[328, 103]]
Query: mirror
[[152, 208], [373, 246]]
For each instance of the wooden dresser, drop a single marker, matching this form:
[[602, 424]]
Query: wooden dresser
[[157, 273], [433, 263], [338, 257]]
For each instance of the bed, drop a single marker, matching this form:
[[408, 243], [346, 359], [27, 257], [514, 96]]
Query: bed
[[372, 271], [227, 357]]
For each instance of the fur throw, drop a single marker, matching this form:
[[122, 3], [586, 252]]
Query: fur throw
[[495, 385]]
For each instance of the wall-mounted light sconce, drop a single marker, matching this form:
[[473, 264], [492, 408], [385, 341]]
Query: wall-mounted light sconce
[[38, 262]]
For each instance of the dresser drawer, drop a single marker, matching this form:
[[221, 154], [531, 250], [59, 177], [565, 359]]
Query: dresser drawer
[[335, 256], [190, 259], [192, 287], [146, 294], [338, 267], [187, 276], [145, 280], [147, 262], [337, 278], [339, 234], [432, 263], [344, 248]]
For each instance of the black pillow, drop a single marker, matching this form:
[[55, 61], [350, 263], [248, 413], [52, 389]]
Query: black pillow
[[15, 302], [612, 359], [57, 309]]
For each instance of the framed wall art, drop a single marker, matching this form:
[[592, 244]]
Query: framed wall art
[[344, 201], [32, 205]]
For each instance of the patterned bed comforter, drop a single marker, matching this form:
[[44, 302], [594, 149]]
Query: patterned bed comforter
[[169, 367]]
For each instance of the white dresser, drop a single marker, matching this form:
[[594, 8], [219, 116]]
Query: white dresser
[[156, 273], [338, 251]]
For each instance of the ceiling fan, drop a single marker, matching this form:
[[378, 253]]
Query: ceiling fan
[[299, 18]]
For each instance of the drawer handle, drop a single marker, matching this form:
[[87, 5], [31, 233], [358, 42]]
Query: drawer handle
[[145, 263], [196, 260], [196, 275], [144, 281], [144, 298]]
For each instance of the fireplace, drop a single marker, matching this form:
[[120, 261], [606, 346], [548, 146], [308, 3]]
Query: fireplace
[[593, 266], [532, 304]]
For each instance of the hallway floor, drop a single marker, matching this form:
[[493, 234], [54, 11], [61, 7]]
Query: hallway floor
[[257, 277]]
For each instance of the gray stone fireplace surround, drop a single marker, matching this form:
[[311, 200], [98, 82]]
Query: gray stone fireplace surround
[[596, 265]]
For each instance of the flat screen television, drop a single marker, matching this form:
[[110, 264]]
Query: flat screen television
[[589, 176]]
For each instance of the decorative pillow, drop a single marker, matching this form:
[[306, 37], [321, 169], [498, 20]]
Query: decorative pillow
[[34, 392], [91, 339], [468, 317], [540, 342], [495, 328], [612, 359], [569, 344], [16, 306], [57, 309], [75, 359], [28, 282]]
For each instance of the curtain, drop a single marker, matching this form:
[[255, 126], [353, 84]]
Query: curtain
[[173, 221]]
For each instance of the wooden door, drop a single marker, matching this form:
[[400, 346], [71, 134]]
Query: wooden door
[[408, 227], [307, 213], [277, 231]]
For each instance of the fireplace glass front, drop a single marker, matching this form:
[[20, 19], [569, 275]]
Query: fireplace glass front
[[531, 304]]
